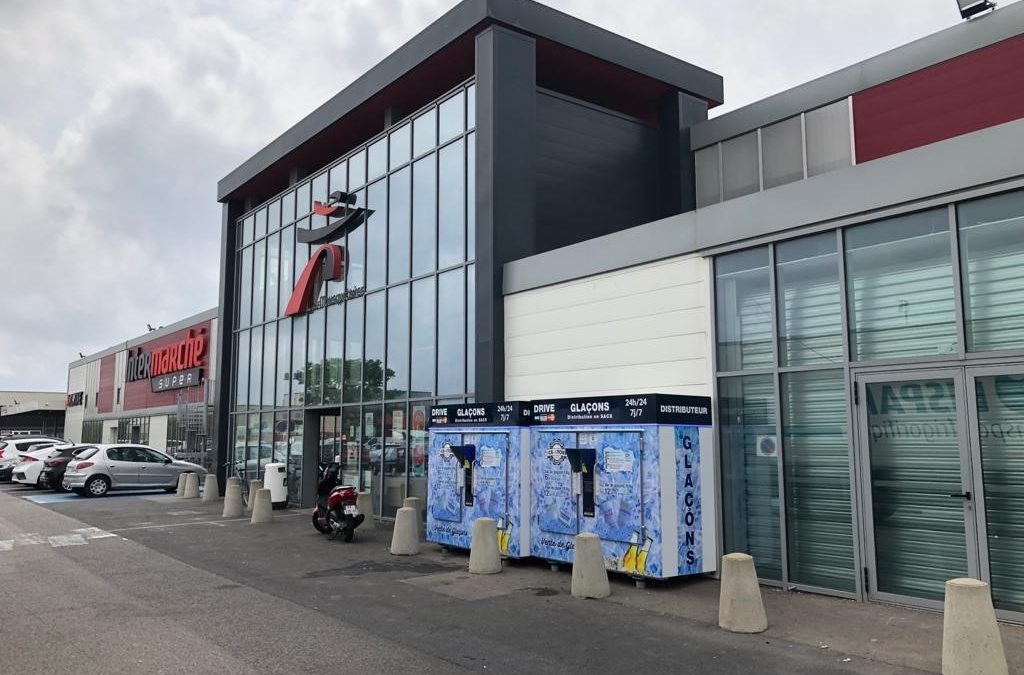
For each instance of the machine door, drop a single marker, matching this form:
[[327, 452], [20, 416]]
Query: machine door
[[490, 475], [444, 490], [618, 496], [556, 502]]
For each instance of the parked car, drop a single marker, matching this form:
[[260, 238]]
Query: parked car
[[52, 476], [101, 468], [12, 446], [28, 469], [7, 469]]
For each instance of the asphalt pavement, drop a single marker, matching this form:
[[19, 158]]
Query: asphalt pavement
[[156, 584]]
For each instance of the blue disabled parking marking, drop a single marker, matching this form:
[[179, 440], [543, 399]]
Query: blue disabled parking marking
[[67, 497]]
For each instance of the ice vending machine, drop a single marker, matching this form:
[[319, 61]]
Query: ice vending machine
[[631, 470], [478, 466]]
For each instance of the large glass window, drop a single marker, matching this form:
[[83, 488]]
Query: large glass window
[[424, 215], [245, 289], [451, 333], [357, 170], [376, 234], [398, 225], [452, 117], [373, 349], [396, 437], [355, 277], [740, 166], [284, 360], [750, 471], [353, 376], [259, 280], [287, 279], [333, 356], [809, 301], [400, 148], [288, 207], [269, 363], [315, 357], [899, 278], [452, 205], [298, 373], [261, 223], [273, 261], [992, 267], [743, 305], [815, 450], [470, 327], [421, 384], [319, 194], [377, 159], [303, 203], [242, 368], [424, 132], [256, 367], [471, 195], [398, 343]]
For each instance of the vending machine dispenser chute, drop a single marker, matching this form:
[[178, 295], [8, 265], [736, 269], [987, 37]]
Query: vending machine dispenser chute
[[478, 466], [629, 469]]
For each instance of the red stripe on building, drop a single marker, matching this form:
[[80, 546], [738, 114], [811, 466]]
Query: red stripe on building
[[977, 90]]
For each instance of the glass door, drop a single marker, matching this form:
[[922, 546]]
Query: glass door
[[997, 430], [917, 482]]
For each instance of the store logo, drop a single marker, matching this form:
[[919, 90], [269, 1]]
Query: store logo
[[76, 399], [556, 453], [185, 354], [338, 206], [327, 264]]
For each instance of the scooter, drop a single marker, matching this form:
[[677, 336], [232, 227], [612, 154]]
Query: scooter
[[336, 512]]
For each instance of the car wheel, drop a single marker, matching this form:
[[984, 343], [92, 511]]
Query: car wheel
[[97, 486]]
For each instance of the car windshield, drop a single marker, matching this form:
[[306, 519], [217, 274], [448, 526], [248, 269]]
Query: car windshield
[[86, 454]]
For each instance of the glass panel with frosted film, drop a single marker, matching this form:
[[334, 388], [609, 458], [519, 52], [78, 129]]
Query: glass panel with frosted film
[[709, 188], [351, 445], [914, 443], [992, 267], [743, 306], [740, 166], [809, 301], [1000, 402], [750, 471], [899, 279], [782, 152], [418, 451], [295, 467], [828, 138], [816, 458], [373, 459]]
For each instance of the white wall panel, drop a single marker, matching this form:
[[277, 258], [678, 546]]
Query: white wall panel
[[158, 432], [641, 329], [75, 415]]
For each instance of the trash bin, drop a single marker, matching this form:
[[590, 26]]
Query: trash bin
[[275, 479]]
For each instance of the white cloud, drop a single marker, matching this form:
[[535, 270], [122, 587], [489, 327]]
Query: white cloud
[[117, 119]]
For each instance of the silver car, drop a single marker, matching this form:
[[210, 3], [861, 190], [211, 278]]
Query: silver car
[[120, 466]]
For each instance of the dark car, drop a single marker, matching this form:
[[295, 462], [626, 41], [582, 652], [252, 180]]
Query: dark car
[[52, 475], [7, 469]]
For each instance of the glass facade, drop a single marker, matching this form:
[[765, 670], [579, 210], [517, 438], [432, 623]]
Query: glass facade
[[817, 342], [366, 368]]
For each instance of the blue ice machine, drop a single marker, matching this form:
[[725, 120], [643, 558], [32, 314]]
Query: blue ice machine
[[478, 467], [631, 470]]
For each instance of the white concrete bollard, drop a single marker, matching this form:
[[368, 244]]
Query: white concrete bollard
[[233, 506], [255, 486], [364, 502], [262, 509], [740, 607], [416, 503], [181, 484], [971, 644], [484, 556], [234, 479], [589, 576], [404, 539], [191, 486], [211, 488]]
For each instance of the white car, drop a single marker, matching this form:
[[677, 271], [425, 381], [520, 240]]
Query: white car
[[12, 446], [28, 469]]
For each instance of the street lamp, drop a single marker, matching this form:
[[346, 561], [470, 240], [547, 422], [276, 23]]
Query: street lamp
[[969, 8]]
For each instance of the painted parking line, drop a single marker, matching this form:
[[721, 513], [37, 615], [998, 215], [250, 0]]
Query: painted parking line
[[67, 540], [68, 497], [29, 539], [6, 544], [201, 522], [93, 533], [78, 537]]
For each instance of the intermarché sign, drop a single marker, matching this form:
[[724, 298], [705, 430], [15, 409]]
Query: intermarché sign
[[172, 367]]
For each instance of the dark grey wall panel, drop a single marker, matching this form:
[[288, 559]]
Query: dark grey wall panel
[[595, 172]]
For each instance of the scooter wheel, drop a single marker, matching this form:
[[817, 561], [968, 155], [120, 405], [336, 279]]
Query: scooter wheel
[[319, 527], [348, 533]]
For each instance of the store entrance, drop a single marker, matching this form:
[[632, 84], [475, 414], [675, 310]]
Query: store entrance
[[941, 455]]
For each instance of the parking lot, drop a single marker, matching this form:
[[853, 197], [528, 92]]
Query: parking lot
[[427, 608]]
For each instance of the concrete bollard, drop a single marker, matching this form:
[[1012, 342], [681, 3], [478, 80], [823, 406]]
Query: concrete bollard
[[589, 576], [234, 479], [211, 488], [740, 607], [191, 486], [233, 506], [262, 509], [971, 644], [405, 539], [416, 503], [255, 486], [364, 502], [484, 557], [181, 484]]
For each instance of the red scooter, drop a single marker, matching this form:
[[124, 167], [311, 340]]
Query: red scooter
[[336, 512]]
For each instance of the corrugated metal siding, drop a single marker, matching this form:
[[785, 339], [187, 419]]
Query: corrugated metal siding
[[634, 330]]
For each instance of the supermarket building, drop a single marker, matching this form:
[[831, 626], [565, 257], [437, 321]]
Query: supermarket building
[[549, 212]]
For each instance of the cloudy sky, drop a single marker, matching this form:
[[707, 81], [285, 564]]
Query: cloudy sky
[[118, 118]]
